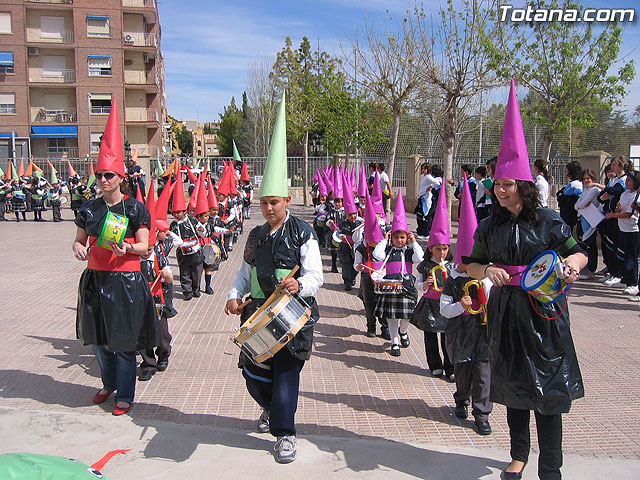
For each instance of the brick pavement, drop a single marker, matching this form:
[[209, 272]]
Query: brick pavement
[[351, 387]]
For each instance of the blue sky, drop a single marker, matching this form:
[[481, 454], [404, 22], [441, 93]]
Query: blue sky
[[208, 45]]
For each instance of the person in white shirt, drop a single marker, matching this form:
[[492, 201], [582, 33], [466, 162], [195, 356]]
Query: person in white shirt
[[588, 238], [542, 177], [427, 183]]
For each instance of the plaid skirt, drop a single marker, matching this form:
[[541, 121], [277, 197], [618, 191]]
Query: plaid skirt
[[18, 206], [395, 306], [37, 204]]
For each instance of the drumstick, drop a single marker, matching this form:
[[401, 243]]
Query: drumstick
[[244, 304], [154, 283], [291, 274]]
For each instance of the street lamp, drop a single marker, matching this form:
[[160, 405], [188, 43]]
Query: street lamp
[[127, 150]]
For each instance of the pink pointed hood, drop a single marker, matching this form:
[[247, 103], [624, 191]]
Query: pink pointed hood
[[440, 227], [338, 188], [399, 215], [513, 159], [372, 232], [362, 182], [376, 196], [328, 182], [349, 203], [322, 188], [467, 224]]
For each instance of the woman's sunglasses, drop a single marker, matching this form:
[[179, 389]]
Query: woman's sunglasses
[[107, 176]]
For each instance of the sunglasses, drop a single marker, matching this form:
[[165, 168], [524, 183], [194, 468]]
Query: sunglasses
[[107, 176]]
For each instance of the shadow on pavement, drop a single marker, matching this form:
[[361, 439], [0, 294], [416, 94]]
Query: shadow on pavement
[[74, 353]]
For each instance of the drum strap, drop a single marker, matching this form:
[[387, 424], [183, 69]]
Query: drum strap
[[265, 265]]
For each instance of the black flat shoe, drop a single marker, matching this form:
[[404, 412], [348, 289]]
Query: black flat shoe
[[385, 334], [513, 475], [187, 296], [483, 428], [404, 340], [395, 350], [208, 291], [146, 375], [196, 293], [163, 364], [461, 412]]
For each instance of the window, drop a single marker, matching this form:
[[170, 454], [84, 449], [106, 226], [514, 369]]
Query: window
[[99, 65], [53, 65], [100, 103], [98, 26], [7, 103], [95, 142], [5, 22], [51, 27], [6, 62]]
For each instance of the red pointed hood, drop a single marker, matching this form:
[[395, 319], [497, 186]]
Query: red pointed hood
[[178, 202], [245, 173], [162, 205], [202, 202], [111, 156], [151, 206]]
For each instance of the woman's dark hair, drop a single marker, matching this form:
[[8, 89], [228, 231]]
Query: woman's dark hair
[[436, 171], [373, 165], [125, 189], [624, 161], [426, 166], [574, 170], [541, 165], [481, 170], [468, 169], [381, 167], [491, 164], [635, 178], [530, 202]]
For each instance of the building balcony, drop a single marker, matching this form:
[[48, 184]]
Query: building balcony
[[135, 114], [59, 2], [61, 36], [62, 152], [52, 76], [146, 150], [139, 3], [43, 115], [139, 39], [139, 77], [100, 110]]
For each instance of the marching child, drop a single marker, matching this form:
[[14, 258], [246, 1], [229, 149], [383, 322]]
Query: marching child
[[189, 253], [319, 222], [204, 232], [366, 264], [346, 229], [399, 251], [463, 303], [246, 189], [335, 215], [430, 320]]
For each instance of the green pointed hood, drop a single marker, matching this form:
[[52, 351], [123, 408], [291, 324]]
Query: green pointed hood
[[14, 172], [54, 177], [160, 169], [1, 172], [274, 180], [236, 154]]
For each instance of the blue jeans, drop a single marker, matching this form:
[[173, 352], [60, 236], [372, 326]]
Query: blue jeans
[[118, 372]]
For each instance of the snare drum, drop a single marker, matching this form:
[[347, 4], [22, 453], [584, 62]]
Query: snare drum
[[189, 247], [336, 239], [385, 286], [211, 253], [543, 278], [272, 326], [114, 229], [321, 220]]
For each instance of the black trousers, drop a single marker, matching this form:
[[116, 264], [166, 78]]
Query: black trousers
[[628, 243], [3, 209], [434, 360], [150, 358], [549, 441], [369, 299], [349, 273], [276, 390], [190, 271], [591, 247], [55, 207], [473, 379], [610, 247]]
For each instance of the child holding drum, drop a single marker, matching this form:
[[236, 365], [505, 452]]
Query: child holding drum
[[398, 256], [432, 273]]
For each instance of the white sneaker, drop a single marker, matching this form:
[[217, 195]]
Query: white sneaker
[[263, 422], [632, 290], [606, 277], [285, 449], [634, 298], [612, 281]]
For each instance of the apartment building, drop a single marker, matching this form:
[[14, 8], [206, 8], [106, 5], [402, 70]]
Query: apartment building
[[62, 64]]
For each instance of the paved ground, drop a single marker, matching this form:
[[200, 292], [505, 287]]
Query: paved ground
[[362, 413]]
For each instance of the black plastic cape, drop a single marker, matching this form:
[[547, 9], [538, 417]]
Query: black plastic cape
[[465, 336], [533, 359], [115, 309]]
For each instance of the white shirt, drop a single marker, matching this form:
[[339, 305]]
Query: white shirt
[[310, 279], [589, 195], [626, 201], [379, 252], [543, 189]]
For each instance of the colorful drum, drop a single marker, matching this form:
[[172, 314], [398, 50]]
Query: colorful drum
[[385, 286], [336, 239], [544, 278], [114, 229], [211, 253], [321, 220], [272, 326]]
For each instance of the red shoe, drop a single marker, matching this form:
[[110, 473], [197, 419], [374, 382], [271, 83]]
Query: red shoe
[[101, 397], [117, 411]]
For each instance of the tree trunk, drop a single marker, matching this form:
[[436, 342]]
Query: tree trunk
[[305, 167], [546, 151], [395, 129], [448, 140]]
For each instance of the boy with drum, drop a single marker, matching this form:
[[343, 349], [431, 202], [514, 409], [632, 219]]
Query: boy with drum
[[272, 251]]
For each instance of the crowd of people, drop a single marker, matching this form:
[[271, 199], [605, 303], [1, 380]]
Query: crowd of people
[[482, 329]]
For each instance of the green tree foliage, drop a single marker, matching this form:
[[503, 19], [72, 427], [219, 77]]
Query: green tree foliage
[[570, 70], [184, 138], [230, 124]]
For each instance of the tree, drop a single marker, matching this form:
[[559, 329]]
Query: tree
[[565, 65], [456, 69], [230, 124], [387, 64], [184, 138]]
